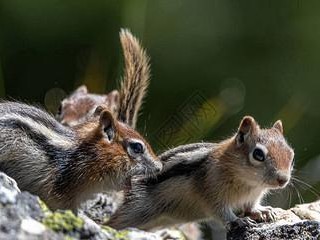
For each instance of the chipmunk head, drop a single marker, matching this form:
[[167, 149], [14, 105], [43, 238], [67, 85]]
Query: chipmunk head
[[80, 105], [266, 157], [121, 148]]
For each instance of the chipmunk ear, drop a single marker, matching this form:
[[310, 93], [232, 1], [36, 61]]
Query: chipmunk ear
[[108, 125], [247, 127], [114, 96], [98, 110], [112, 99], [278, 125], [82, 89]]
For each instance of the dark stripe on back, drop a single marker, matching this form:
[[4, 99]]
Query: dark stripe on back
[[37, 115], [184, 168], [47, 122], [182, 149], [60, 158], [54, 154]]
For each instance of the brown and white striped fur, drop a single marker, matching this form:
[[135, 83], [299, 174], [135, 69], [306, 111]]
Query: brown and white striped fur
[[65, 165], [135, 80], [126, 103], [211, 180]]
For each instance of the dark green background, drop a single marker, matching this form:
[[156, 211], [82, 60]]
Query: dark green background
[[255, 57]]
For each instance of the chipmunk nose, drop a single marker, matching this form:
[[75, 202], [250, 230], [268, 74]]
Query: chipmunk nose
[[282, 180]]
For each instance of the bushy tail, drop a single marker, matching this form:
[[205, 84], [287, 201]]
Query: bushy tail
[[135, 80]]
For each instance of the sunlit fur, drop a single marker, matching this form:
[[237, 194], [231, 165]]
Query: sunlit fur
[[203, 181], [65, 165], [135, 80]]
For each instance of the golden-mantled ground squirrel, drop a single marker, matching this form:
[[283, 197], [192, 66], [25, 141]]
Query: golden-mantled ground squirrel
[[205, 180], [63, 165], [126, 103], [80, 105]]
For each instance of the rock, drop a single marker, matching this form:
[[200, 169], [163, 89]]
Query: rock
[[25, 216], [299, 230], [32, 226], [20, 213], [103, 205], [191, 231], [100, 208], [309, 211], [289, 224], [8, 189]]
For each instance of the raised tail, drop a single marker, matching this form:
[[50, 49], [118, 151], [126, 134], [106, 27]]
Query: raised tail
[[135, 80]]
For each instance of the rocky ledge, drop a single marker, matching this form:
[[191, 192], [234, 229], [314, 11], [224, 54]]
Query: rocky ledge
[[299, 222], [25, 216]]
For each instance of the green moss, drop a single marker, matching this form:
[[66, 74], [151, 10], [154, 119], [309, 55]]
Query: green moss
[[43, 206], [63, 221], [119, 235], [122, 235], [68, 238]]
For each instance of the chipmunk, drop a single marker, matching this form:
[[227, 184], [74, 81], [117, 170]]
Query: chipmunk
[[126, 103], [211, 180], [80, 106], [64, 165]]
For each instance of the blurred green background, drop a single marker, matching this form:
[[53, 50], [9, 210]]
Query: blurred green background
[[212, 62]]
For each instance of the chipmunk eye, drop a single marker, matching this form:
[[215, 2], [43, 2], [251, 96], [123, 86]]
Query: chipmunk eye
[[258, 155], [59, 111], [136, 147]]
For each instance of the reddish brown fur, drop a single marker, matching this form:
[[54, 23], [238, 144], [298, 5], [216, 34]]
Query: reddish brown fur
[[279, 152], [112, 156], [119, 161], [115, 152], [278, 149], [96, 159], [66, 165]]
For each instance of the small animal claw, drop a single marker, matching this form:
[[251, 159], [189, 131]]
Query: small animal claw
[[248, 221], [262, 214], [241, 223]]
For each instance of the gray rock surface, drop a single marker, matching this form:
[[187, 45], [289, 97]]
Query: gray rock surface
[[299, 222], [299, 230], [20, 213], [100, 208], [24, 216]]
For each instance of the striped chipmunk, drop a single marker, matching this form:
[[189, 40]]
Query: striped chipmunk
[[65, 165], [126, 103], [206, 181]]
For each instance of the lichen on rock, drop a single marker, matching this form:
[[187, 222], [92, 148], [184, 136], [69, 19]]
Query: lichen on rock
[[63, 221], [25, 216]]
